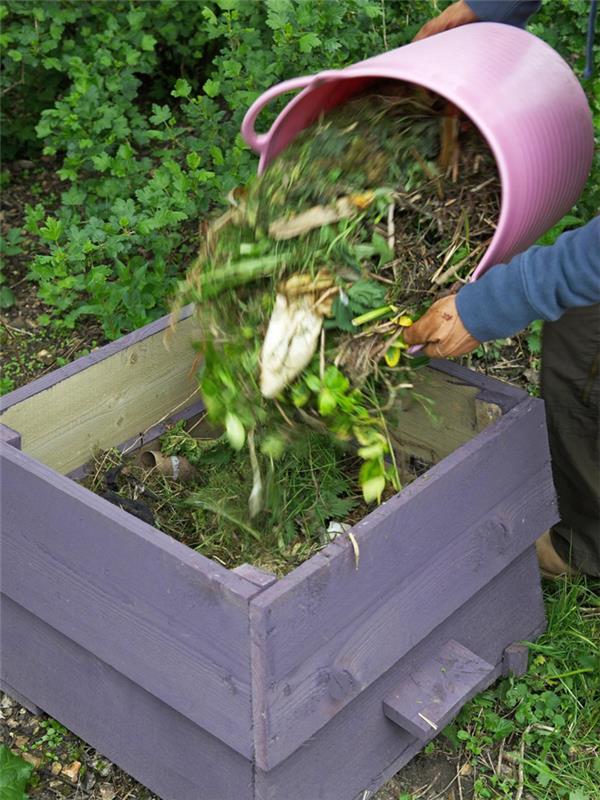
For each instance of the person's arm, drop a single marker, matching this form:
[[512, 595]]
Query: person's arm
[[510, 12], [541, 283], [464, 12]]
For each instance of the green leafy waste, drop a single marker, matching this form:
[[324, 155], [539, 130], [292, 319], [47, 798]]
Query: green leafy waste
[[348, 236], [313, 484], [15, 774]]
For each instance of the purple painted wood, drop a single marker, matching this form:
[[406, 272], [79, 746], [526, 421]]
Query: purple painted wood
[[285, 674], [58, 375], [359, 749], [161, 748], [444, 536], [10, 437], [431, 695], [515, 660], [20, 698], [162, 614], [259, 577]]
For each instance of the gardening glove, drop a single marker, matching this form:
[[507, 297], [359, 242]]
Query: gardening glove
[[455, 15], [441, 330]]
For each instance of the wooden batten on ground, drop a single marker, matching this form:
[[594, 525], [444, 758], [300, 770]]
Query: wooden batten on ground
[[219, 684]]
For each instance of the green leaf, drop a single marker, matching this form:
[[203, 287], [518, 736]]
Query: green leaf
[[15, 773], [327, 402], [160, 114], [235, 431], [7, 298], [308, 42], [148, 42], [182, 88], [366, 294], [52, 229], [193, 160], [373, 489], [212, 87]]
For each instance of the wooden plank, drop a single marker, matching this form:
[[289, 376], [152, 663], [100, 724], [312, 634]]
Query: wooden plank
[[166, 617], [459, 411], [105, 398], [159, 747], [10, 437], [431, 694], [359, 749], [515, 660], [18, 697], [259, 577], [491, 390], [445, 536]]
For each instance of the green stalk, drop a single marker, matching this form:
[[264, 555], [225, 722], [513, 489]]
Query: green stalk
[[373, 314], [237, 273]]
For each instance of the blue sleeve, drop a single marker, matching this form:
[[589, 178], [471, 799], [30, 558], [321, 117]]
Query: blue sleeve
[[510, 12], [541, 283]]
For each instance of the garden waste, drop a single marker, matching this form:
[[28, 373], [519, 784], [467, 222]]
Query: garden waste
[[302, 291]]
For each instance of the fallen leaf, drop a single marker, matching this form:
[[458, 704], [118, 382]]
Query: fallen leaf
[[315, 217], [72, 771], [107, 791], [35, 761]]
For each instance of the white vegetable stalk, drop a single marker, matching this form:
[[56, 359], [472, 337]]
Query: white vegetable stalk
[[294, 329]]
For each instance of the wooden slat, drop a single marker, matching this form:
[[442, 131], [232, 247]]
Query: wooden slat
[[327, 631], [455, 416], [431, 693], [166, 617], [360, 748], [161, 748], [105, 398]]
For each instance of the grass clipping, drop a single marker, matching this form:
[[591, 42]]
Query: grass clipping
[[303, 288]]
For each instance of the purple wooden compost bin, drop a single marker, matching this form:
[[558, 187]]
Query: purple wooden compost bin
[[211, 684]]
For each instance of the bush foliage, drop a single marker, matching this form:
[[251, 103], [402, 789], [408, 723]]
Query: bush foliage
[[140, 103]]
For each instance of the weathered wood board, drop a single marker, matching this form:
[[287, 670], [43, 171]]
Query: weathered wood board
[[233, 685], [106, 398]]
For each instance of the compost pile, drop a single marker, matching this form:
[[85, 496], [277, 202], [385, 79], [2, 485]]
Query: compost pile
[[303, 289], [304, 286]]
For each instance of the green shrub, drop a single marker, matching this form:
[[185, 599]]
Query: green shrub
[[141, 104]]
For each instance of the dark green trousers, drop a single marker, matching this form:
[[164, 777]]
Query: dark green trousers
[[571, 391]]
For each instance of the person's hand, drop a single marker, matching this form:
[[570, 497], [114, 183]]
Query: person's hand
[[441, 330], [455, 15]]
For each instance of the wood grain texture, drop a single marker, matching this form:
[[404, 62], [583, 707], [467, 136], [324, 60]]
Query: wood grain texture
[[161, 748], [259, 577], [324, 633], [103, 399], [10, 437], [431, 694], [515, 659], [491, 390], [17, 696], [166, 617], [49, 380], [456, 416], [359, 749]]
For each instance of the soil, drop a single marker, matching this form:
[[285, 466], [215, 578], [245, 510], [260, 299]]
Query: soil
[[65, 766]]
